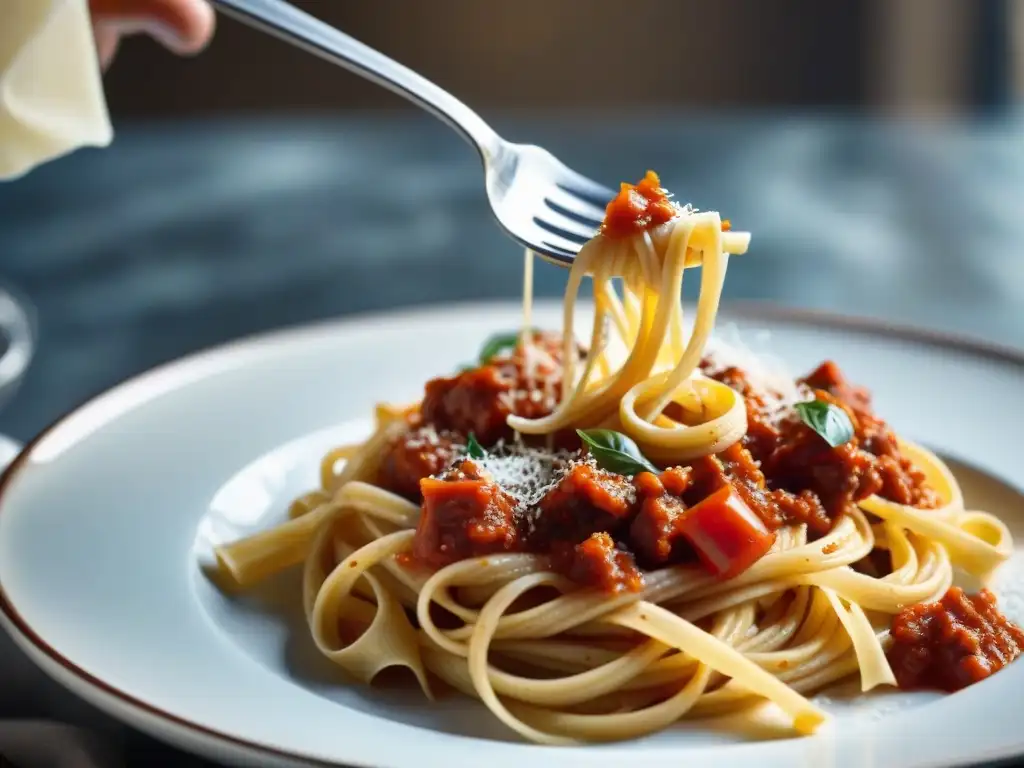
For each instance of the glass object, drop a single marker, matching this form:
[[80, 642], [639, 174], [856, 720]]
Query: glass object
[[17, 345]]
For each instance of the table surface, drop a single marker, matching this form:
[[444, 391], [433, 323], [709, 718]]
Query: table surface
[[181, 236]]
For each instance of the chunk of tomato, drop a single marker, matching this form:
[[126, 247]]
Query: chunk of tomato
[[725, 532]]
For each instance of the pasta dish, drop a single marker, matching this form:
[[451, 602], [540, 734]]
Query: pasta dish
[[599, 540]]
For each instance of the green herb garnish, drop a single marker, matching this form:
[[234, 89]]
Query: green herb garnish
[[473, 449], [615, 452], [498, 343], [830, 421]]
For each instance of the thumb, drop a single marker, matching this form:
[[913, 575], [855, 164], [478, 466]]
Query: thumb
[[183, 26]]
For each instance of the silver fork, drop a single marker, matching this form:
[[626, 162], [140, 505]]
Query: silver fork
[[539, 201]]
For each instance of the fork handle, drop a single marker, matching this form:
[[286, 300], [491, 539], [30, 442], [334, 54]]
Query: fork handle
[[299, 28]]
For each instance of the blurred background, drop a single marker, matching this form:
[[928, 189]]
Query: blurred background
[[902, 55], [256, 186]]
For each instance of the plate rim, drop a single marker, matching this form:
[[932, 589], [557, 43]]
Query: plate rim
[[149, 717]]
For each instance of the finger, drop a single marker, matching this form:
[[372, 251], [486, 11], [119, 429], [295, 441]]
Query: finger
[[184, 26], [107, 39]]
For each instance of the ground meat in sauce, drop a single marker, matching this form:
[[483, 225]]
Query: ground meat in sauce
[[480, 400], [953, 643], [807, 481], [638, 207], [476, 401], [464, 514], [596, 523], [655, 533], [902, 482], [587, 500], [600, 562], [815, 483], [421, 452]]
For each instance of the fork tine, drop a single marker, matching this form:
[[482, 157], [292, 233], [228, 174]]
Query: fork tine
[[586, 189], [584, 216], [560, 241], [575, 236], [551, 238], [579, 205], [560, 255], [545, 205]]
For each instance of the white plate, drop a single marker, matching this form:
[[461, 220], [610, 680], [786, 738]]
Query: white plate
[[104, 515]]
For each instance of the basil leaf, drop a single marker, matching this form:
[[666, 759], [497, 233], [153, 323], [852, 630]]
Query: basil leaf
[[473, 449], [615, 452], [830, 421], [498, 343]]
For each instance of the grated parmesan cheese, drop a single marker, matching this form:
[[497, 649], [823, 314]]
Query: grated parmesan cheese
[[526, 474], [426, 437], [768, 375]]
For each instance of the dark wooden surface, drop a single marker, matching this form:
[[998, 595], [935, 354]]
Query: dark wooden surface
[[185, 235]]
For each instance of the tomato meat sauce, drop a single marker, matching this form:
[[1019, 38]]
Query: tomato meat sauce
[[464, 514], [790, 475], [421, 452], [527, 383], [952, 643], [602, 529], [599, 528], [640, 207], [476, 401]]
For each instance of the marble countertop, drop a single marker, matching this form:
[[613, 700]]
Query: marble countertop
[[185, 235]]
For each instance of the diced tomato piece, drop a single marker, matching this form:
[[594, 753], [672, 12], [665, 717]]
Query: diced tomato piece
[[725, 532]]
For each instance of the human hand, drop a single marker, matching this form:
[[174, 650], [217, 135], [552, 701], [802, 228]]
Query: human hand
[[182, 26]]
